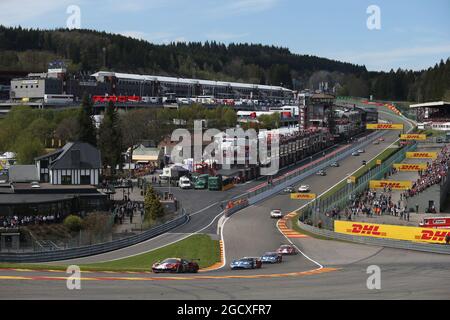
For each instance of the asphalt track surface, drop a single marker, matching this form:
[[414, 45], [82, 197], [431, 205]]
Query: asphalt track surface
[[251, 232]]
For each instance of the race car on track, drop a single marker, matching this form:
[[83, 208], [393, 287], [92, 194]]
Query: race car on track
[[321, 173], [289, 190], [334, 164], [175, 265], [361, 150], [246, 263], [271, 257], [355, 154], [276, 213], [304, 188], [287, 249]]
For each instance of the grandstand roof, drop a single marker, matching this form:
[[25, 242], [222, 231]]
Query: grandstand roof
[[435, 104], [186, 81]]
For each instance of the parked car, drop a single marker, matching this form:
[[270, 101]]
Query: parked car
[[321, 173], [246, 263], [304, 188], [276, 213], [287, 249], [271, 257], [175, 265]]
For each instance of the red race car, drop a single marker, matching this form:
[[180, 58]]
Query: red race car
[[175, 265], [287, 249]]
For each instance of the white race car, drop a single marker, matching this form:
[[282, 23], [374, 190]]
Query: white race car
[[276, 213], [304, 188]]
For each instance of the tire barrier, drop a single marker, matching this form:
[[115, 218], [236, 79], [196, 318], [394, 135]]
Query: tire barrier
[[235, 205]]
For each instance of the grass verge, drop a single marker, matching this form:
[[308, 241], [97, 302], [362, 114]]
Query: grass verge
[[198, 246]]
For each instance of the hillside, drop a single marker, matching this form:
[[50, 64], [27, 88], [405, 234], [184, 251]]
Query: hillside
[[89, 51]]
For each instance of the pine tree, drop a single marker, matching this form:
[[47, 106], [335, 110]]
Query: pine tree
[[153, 207], [87, 131], [110, 138]]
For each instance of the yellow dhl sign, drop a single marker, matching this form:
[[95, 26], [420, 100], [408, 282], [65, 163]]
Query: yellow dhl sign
[[384, 126], [391, 232], [410, 166], [421, 155], [413, 136], [394, 185], [303, 196]]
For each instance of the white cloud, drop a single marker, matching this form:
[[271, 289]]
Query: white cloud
[[233, 7], [14, 12], [394, 58], [251, 5], [402, 53]]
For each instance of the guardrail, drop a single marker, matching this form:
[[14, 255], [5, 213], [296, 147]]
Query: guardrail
[[93, 249], [398, 244]]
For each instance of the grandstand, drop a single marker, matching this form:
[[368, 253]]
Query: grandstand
[[433, 115]]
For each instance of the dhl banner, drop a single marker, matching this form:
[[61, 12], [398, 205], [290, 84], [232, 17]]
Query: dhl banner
[[303, 196], [394, 185], [384, 126], [391, 232], [410, 166], [421, 155], [413, 136]]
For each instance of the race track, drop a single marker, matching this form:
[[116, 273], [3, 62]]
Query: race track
[[251, 232]]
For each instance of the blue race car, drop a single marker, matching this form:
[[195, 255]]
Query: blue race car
[[271, 257], [246, 263]]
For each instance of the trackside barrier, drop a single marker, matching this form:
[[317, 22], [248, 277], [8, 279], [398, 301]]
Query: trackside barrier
[[235, 205], [399, 244], [93, 249]]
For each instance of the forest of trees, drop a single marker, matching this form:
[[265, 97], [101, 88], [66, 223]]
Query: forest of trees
[[89, 51]]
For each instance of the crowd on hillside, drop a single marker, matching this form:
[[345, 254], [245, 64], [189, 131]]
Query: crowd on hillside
[[16, 221], [434, 173]]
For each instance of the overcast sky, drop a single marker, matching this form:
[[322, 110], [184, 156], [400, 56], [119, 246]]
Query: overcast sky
[[414, 34]]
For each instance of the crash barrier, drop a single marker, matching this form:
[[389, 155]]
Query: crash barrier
[[316, 210], [235, 205], [93, 249], [388, 231], [309, 169], [382, 242]]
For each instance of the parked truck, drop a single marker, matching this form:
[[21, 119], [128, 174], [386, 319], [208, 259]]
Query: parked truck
[[201, 181], [215, 183]]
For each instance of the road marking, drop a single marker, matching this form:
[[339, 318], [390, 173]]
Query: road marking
[[176, 278]]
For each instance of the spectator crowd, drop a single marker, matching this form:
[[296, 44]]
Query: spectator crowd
[[16, 221], [371, 203], [435, 172]]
